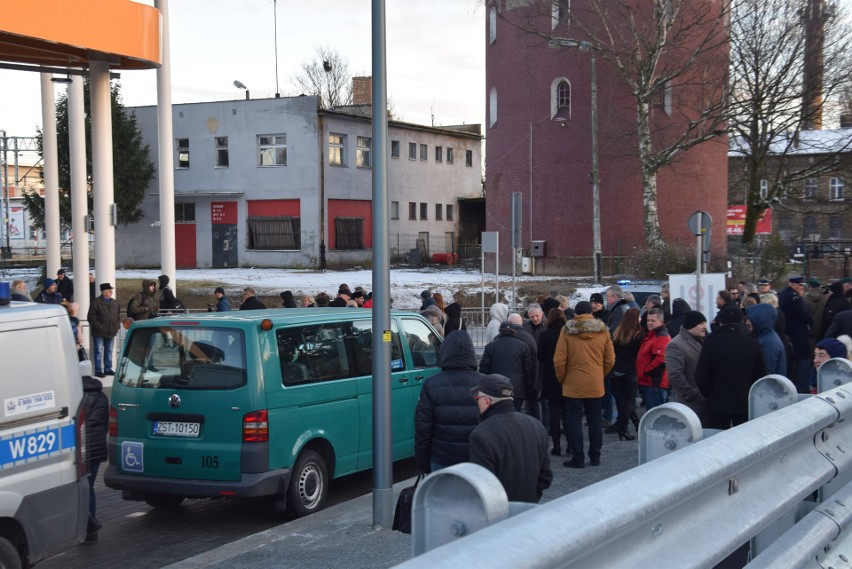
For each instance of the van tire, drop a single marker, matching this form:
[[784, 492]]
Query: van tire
[[9, 558], [163, 501], [308, 485]]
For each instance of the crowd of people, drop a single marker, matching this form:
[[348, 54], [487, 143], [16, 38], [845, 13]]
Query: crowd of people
[[559, 365]]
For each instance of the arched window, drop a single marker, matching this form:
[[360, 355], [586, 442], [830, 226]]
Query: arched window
[[492, 107], [560, 98], [492, 25]]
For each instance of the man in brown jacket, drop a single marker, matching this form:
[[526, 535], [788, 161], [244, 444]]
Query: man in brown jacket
[[584, 356], [104, 319]]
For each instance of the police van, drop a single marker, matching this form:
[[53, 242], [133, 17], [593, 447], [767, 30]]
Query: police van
[[259, 403], [44, 493]]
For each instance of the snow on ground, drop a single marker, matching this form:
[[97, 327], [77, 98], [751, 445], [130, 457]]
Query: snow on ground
[[405, 284]]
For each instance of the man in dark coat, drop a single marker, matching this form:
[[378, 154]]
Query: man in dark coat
[[511, 357], [511, 445], [250, 301], [799, 322], [446, 414], [168, 301], [64, 286], [343, 296], [842, 324], [104, 321], [96, 407], [49, 294], [143, 305], [836, 303], [617, 306], [730, 362]]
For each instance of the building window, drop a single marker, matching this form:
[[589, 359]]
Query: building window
[[412, 210], [560, 99], [449, 155], [810, 190], [809, 226], [424, 152], [394, 210], [835, 189], [835, 227], [468, 158], [449, 212], [559, 12], [439, 212], [222, 160], [492, 107], [182, 152], [412, 151], [424, 211], [764, 190], [439, 154], [348, 232], [272, 233], [492, 25], [336, 149], [394, 149], [363, 149], [272, 149], [184, 213], [663, 97]]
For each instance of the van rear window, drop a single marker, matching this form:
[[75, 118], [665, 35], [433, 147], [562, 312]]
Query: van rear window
[[193, 357]]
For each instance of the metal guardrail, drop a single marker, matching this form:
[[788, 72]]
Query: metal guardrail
[[689, 507]]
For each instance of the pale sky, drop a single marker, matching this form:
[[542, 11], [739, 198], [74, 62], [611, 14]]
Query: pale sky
[[435, 56]]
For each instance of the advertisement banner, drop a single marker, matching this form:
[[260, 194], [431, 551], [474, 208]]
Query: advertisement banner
[[736, 221]]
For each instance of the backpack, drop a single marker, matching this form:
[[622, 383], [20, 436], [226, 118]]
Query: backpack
[[132, 298], [179, 305]]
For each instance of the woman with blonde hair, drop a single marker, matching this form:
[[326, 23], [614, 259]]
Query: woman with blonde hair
[[439, 302]]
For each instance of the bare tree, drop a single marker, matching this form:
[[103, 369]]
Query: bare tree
[[326, 75], [789, 64], [674, 51]]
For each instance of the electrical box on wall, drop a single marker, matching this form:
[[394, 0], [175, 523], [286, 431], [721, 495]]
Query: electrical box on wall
[[537, 249]]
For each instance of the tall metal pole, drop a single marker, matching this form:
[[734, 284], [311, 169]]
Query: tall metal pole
[[5, 174], [50, 153], [596, 190], [382, 429], [166, 156]]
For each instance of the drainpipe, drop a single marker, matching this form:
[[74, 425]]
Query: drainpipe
[[321, 136]]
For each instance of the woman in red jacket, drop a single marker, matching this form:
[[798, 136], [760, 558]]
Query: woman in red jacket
[[651, 362]]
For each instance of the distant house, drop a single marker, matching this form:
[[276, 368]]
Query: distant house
[[812, 212], [280, 182]]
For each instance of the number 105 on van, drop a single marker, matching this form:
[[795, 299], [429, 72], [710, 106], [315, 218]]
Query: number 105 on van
[[176, 429]]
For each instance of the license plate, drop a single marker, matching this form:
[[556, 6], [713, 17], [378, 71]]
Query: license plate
[[176, 429]]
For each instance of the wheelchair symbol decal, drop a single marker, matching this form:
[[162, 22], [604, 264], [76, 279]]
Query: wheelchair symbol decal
[[131, 457]]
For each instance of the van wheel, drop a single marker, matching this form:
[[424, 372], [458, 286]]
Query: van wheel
[[164, 501], [308, 485], [9, 558]]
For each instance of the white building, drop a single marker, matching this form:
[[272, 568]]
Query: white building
[[277, 182]]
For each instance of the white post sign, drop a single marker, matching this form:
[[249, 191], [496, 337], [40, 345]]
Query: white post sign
[[491, 244], [701, 293]]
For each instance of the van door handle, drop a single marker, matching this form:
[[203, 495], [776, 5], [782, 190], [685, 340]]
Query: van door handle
[[403, 380], [418, 377]]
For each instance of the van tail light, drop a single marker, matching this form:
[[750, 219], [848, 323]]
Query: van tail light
[[82, 444], [113, 422], [256, 427]]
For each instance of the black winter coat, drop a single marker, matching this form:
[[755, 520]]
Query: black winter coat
[[513, 446], [799, 322], [836, 304], [104, 317], [512, 357], [446, 413], [96, 406], [252, 303], [730, 362], [550, 386]]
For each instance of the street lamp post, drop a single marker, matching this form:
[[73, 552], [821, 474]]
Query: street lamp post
[[596, 197]]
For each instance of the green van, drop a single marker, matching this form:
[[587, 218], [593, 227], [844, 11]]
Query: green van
[[257, 403]]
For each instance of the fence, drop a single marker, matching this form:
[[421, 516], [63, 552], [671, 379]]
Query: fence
[[692, 504]]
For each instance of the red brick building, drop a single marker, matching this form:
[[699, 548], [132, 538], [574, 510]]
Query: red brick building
[[538, 132]]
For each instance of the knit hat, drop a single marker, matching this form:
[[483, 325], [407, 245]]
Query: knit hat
[[835, 348], [549, 304], [730, 315], [48, 282], [596, 297], [218, 290], [164, 280], [60, 272], [583, 307], [507, 328], [425, 294], [692, 319]]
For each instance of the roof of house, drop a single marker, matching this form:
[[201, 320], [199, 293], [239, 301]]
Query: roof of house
[[808, 142]]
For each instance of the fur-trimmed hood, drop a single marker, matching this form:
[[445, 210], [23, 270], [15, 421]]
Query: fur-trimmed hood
[[585, 326]]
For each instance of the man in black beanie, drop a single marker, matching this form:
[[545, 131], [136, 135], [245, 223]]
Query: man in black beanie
[[682, 360], [730, 362]]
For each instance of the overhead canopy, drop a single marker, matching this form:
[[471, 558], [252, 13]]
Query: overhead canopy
[[59, 33]]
